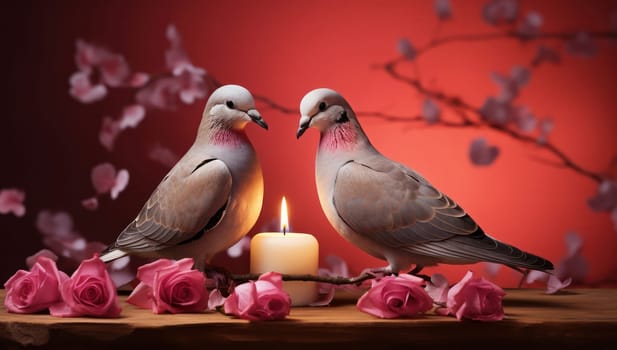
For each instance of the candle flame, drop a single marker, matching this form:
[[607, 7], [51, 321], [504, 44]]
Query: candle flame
[[284, 219]]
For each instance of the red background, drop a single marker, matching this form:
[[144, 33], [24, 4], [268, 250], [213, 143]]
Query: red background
[[283, 49]]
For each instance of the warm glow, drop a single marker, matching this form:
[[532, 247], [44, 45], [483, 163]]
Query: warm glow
[[284, 219]]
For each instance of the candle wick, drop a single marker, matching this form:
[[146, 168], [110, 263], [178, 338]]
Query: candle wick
[[284, 230]]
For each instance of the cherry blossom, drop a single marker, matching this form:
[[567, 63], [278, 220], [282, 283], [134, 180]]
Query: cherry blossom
[[546, 54], [431, 112], [495, 111], [83, 90], [105, 179], [524, 119], [12, 201], [497, 12], [481, 153], [530, 25], [236, 250], [91, 203], [546, 126], [163, 155], [110, 129], [131, 116], [582, 45], [606, 197], [443, 9], [406, 49]]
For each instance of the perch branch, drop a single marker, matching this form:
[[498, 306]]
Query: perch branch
[[337, 280]]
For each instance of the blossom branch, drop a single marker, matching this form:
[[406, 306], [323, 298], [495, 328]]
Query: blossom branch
[[511, 35]]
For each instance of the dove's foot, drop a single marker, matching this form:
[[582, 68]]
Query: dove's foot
[[416, 272], [378, 272]]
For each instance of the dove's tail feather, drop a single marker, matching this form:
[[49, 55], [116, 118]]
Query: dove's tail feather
[[111, 254], [481, 247]]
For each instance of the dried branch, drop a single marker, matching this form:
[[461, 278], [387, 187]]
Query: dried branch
[[509, 35], [337, 280]]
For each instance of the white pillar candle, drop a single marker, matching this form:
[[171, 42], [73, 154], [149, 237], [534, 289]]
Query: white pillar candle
[[288, 253]]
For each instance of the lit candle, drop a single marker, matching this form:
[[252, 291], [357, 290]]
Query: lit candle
[[288, 253]]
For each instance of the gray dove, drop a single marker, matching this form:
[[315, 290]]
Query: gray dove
[[211, 198], [387, 209]]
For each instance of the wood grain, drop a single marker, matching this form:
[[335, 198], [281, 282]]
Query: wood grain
[[576, 318]]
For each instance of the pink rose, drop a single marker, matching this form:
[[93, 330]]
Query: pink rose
[[170, 286], [36, 290], [393, 297], [89, 292], [263, 299], [476, 299]]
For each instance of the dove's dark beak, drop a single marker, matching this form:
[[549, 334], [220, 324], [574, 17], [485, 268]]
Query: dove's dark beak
[[256, 117], [304, 124]]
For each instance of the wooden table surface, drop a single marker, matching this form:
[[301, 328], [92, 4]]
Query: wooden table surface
[[576, 318]]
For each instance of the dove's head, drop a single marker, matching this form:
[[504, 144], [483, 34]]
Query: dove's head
[[231, 107], [327, 111]]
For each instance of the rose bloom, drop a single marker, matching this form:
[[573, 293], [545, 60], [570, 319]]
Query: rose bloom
[[476, 299], [263, 299], [399, 296], [170, 286], [34, 290], [89, 292]]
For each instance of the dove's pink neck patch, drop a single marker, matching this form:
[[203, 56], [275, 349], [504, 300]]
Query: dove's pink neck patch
[[341, 136], [229, 137]]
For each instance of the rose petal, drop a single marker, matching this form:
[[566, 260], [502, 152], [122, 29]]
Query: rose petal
[[163, 156], [103, 177], [131, 116], [110, 129], [32, 259], [55, 224]]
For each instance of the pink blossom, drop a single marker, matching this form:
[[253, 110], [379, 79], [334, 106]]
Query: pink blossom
[[131, 116], [105, 179], [546, 126], [438, 289], [530, 25], [215, 299], [573, 265], [392, 297], [83, 90], [496, 112], [139, 79], [500, 11], [163, 156], [510, 85], [161, 93], [57, 224], [34, 290], [406, 49], [443, 9], [89, 292], [114, 70], [524, 119], [263, 299], [170, 286], [582, 45], [476, 299], [554, 284], [32, 259], [175, 56], [110, 129], [236, 250], [192, 86], [12, 201], [481, 153], [337, 267], [492, 268], [605, 198], [546, 54], [430, 112], [91, 203]]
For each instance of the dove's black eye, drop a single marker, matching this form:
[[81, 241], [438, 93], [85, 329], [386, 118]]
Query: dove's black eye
[[322, 106], [230, 104]]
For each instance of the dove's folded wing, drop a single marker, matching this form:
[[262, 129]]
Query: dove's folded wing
[[188, 202], [390, 204]]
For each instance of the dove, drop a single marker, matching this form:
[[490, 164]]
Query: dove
[[211, 197], [387, 209]]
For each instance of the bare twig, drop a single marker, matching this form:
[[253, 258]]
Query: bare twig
[[337, 280]]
